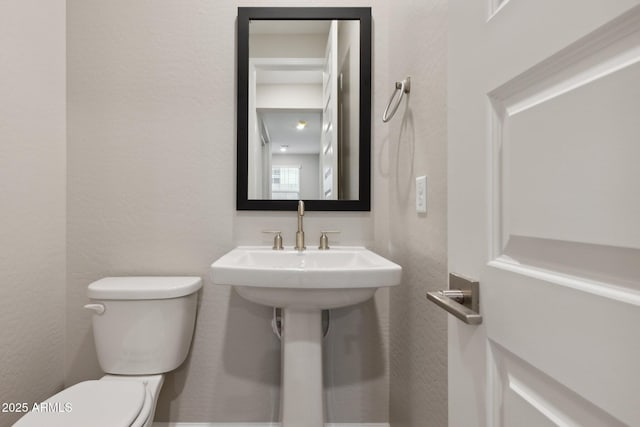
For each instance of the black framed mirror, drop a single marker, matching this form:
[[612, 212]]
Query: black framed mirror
[[304, 108]]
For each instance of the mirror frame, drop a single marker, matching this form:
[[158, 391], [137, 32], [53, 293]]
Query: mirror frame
[[245, 15]]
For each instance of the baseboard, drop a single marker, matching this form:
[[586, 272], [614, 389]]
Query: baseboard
[[262, 425]]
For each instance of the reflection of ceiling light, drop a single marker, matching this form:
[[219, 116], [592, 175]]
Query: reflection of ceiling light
[[283, 148], [301, 125]]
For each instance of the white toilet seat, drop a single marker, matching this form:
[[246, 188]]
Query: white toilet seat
[[101, 403], [145, 411]]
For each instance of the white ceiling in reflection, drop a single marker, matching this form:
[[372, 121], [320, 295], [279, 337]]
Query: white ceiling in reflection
[[281, 128]]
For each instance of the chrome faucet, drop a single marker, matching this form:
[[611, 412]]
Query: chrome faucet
[[300, 233]]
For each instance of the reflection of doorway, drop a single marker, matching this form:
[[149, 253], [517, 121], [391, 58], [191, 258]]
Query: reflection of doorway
[[294, 141], [283, 92]]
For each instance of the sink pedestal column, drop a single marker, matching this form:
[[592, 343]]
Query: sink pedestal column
[[302, 402]]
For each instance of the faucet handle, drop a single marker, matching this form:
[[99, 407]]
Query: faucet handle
[[324, 239], [277, 239]]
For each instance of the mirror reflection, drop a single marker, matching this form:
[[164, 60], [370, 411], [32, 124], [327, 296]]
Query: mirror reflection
[[304, 109]]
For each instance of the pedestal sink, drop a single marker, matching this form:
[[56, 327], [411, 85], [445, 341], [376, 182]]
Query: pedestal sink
[[303, 284]]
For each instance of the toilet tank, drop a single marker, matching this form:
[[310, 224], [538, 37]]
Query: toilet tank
[[143, 325]]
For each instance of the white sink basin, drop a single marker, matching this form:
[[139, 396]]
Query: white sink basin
[[313, 278], [303, 284]]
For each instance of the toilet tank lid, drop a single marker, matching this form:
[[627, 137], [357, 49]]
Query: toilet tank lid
[[143, 287]]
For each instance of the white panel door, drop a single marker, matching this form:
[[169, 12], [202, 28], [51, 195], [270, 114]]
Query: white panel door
[[544, 210]]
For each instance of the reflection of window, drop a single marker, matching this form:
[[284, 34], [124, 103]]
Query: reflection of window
[[285, 182]]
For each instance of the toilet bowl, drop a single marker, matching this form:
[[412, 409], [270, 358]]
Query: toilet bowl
[[111, 401], [142, 329]]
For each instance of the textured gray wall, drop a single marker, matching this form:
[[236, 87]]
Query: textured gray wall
[[151, 170], [151, 154], [32, 201], [416, 145]]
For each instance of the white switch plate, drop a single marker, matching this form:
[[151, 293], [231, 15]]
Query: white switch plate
[[421, 194]]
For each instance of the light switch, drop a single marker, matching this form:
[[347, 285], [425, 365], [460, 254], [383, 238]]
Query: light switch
[[421, 194]]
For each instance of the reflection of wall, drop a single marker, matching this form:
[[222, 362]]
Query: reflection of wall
[[32, 201], [287, 45], [349, 66], [255, 151], [305, 96], [309, 173], [417, 145]]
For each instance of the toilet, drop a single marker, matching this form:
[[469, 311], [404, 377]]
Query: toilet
[[142, 328]]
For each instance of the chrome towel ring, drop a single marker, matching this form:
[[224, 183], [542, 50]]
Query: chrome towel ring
[[402, 87]]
